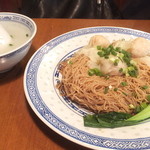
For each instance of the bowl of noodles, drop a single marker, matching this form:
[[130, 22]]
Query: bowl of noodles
[[92, 87]]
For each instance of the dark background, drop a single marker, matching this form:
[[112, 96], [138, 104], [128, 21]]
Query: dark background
[[116, 9]]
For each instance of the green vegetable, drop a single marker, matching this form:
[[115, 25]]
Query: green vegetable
[[145, 87], [116, 119], [141, 107], [115, 89], [116, 62], [121, 70], [124, 93], [70, 62], [106, 90], [106, 120], [95, 71], [114, 53], [148, 97], [101, 54], [124, 83], [99, 47], [121, 55], [132, 71], [106, 57], [118, 49], [142, 115], [105, 52], [107, 76]]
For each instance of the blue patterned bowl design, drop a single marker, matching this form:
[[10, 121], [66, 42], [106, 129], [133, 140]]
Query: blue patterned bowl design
[[10, 59]]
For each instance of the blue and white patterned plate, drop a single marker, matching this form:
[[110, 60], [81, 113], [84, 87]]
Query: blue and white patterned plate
[[60, 114]]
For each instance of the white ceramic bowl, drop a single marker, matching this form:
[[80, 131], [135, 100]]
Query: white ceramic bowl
[[11, 58]]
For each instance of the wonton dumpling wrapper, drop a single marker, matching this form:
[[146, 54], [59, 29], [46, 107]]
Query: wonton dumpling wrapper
[[107, 66], [140, 47], [5, 38], [122, 44], [99, 40], [90, 52], [145, 60]]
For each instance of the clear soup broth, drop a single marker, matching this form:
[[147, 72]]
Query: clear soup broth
[[18, 34]]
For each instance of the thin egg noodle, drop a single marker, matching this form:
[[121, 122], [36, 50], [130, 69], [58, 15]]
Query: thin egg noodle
[[100, 94]]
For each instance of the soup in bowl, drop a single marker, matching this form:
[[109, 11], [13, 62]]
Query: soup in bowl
[[16, 34]]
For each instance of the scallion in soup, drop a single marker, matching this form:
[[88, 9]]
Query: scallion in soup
[[12, 35]]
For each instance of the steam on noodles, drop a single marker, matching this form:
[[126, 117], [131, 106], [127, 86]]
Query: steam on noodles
[[106, 84]]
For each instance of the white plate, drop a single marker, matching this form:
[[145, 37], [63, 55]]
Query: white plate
[[64, 117]]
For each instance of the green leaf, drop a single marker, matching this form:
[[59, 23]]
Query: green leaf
[[144, 87], [91, 72], [116, 119], [148, 97], [144, 114], [141, 107], [97, 121], [124, 83], [113, 116]]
